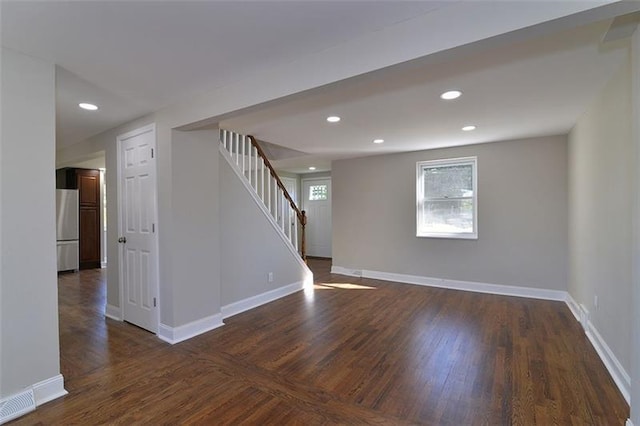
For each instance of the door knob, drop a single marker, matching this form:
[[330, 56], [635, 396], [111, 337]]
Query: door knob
[[122, 240]]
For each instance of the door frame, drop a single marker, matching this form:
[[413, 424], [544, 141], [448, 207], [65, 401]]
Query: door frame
[[303, 199], [119, 139]]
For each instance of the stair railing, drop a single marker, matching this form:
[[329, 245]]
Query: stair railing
[[254, 165]]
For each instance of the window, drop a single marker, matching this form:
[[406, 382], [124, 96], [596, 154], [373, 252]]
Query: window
[[446, 195], [318, 192]]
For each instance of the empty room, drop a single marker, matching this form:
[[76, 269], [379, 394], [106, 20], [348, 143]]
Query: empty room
[[310, 212]]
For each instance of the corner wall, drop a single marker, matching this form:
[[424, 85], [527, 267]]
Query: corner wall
[[635, 310], [195, 244], [29, 304], [522, 214], [600, 206]]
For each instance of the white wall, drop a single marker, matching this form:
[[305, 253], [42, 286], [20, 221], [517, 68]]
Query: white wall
[[635, 310], [250, 247], [195, 244], [522, 214], [600, 194], [29, 304]]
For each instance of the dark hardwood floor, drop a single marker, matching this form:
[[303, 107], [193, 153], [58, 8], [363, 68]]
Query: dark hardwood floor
[[352, 351]]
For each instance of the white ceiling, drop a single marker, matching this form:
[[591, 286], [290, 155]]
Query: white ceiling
[[521, 90], [136, 57]]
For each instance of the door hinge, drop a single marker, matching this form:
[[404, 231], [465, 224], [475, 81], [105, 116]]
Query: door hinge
[[153, 227], [154, 302], [151, 152]]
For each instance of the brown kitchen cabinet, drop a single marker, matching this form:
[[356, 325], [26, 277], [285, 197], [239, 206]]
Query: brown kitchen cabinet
[[87, 182]]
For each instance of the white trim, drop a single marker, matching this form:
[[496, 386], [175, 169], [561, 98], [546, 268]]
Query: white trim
[[420, 196], [615, 369], [617, 372], [344, 271], [573, 306], [103, 231], [506, 290], [113, 312], [225, 154], [181, 333], [156, 290], [49, 389], [629, 423], [311, 179], [26, 401], [254, 301]]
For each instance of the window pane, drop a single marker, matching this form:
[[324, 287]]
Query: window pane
[[447, 216], [318, 192], [448, 181]]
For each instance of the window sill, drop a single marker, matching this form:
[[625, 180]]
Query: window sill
[[469, 236]]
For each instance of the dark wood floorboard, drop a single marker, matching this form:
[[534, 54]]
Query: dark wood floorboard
[[351, 351]]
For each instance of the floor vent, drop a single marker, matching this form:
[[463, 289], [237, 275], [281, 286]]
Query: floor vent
[[16, 406]]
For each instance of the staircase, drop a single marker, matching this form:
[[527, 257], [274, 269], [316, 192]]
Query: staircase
[[250, 163]]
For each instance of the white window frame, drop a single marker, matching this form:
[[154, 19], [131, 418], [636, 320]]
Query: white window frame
[[420, 196]]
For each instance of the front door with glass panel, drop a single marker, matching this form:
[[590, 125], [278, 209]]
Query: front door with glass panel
[[316, 195]]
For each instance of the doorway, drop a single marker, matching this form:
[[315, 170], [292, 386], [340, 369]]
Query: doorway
[[138, 245], [316, 201]]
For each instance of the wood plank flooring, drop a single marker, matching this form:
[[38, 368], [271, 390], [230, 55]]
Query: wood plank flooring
[[352, 351]]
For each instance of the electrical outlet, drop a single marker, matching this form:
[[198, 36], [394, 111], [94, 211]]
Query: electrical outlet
[[270, 277], [595, 301]]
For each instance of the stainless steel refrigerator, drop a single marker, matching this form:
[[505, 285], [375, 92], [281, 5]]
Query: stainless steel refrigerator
[[67, 229]]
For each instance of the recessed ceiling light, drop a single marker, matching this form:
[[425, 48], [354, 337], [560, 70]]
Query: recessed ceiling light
[[378, 141], [451, 94], [312, 168], [468, 128], [333, 119], [88, 107]]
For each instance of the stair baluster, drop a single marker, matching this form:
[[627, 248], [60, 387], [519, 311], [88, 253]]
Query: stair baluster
[[251, 161]]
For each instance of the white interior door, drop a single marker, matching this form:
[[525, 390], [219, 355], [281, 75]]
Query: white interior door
[[316, 195], [290, 184], [139, 265]]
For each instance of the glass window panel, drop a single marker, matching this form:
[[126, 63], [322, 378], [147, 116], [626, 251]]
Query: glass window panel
[[447, 216], [448, 181], [446, 198], [318, 192]]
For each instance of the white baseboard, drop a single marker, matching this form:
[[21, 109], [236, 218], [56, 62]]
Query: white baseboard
[[613, 366], [618, 373], [49, 389], [181, 333], [113, 312], [345, 271], [505, 290], [28, 400], [253, 302], [573, 306]]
